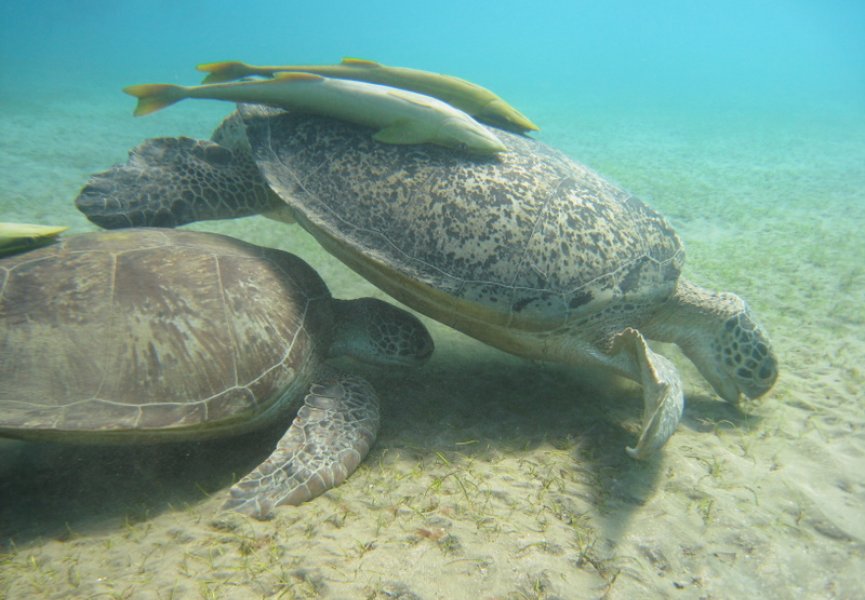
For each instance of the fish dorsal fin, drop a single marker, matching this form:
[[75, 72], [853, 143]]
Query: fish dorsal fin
[[298, 76], [359, 62]]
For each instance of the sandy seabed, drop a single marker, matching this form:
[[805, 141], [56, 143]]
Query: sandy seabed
[[494, 477]]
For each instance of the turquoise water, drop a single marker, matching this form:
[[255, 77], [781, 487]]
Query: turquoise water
[[494, 477], [739, 53]]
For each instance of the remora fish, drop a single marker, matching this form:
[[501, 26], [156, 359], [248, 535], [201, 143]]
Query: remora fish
[[401, 117], [15, 237], [477, 101]]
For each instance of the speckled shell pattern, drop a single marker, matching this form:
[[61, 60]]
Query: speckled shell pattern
[[145, 332], [532, 238]]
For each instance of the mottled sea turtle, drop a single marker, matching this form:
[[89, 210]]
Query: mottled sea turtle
[[528, 251], [156, 335]]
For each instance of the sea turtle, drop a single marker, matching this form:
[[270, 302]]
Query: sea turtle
[[159, 334], [528, 251]]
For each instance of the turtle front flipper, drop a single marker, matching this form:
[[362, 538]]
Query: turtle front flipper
[[330, 436], [168, 182], [663, 400]]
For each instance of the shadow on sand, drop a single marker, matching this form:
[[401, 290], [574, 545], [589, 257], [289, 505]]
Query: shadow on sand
[[503, 404]]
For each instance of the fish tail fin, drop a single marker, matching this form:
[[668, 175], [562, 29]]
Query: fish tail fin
[[229, 70], [154, 96]]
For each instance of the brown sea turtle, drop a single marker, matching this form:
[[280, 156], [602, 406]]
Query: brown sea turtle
[[528, 251], [159, 334]]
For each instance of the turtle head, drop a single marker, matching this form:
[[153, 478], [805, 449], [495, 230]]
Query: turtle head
[[722, 337], [379, 333], [744, 362]]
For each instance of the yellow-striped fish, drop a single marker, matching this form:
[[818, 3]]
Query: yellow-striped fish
[[15, 237], [400, 116], [477, 101]]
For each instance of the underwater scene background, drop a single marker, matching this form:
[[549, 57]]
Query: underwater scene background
[[493, 477]]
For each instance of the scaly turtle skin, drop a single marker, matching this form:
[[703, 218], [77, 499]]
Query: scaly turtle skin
[[150, 335], [528, 251]]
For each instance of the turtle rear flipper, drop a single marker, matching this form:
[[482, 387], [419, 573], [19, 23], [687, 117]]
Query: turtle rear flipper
[[168, 182], [330, 436]]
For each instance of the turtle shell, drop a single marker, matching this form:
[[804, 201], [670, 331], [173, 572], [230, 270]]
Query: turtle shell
[[143, 333], [529, 239]]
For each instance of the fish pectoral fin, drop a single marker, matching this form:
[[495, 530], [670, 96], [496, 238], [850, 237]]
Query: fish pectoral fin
[[402, 132], [360, 62]]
